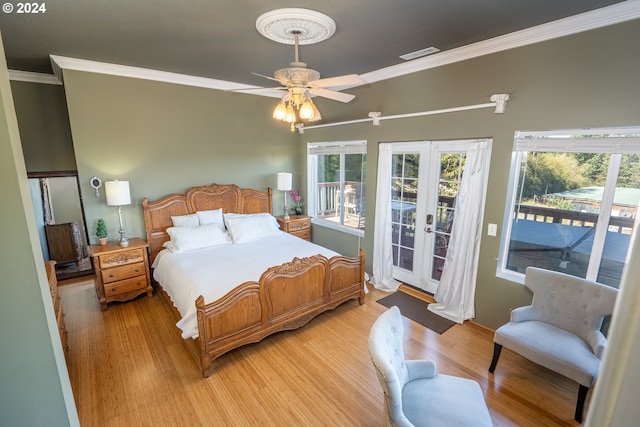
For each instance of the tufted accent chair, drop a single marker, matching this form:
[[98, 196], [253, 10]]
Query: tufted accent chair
[[414, 394], [560, 330]]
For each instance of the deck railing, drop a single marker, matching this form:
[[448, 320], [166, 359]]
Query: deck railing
[[327, 197], [329, 203], [579, 219]]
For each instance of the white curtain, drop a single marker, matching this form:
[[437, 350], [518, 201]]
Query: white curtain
[[456, 292], [382, 249]]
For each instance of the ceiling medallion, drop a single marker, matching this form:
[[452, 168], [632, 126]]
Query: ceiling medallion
[[280, 25]]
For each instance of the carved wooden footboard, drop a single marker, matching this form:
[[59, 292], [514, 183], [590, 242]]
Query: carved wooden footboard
[[287, 297]]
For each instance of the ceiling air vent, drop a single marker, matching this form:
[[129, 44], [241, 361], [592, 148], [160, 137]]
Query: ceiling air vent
[[419, 53]]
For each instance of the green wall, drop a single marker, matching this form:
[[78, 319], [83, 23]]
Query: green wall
[[584, 80], [43, 121], [34, 383], [164, 138]]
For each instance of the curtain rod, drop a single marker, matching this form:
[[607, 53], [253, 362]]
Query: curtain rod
[[499, 101]]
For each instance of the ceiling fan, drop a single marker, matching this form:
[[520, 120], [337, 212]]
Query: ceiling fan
[[298, 79], [300, 83]]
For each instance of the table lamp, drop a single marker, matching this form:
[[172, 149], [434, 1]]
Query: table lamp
[[118, 194], [284, 184]]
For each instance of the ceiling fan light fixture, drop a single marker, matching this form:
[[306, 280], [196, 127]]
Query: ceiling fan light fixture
[[316, 113], [306, 110], [280, 111], [290, 116], [298, 27]]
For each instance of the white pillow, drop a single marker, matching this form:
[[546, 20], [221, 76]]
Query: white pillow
[[190, 220], [213, 216], [249, 227], [191, 238], [227, 216]]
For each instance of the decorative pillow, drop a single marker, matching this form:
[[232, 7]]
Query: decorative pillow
[[191, 238], [249, 227], [190, 220], [213, 216]]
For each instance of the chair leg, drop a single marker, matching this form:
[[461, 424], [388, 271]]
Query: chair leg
[[497, 348], [582, 395]]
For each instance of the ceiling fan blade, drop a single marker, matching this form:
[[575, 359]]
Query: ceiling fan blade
[[331, 94], [273, 92], [256, 89], [346, 80], [263, 76]]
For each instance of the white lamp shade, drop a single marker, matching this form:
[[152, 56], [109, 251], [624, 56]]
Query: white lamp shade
[[117, 193], [284, 181]]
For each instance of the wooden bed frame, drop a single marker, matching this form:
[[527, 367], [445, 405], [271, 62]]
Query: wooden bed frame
[[286, 297]]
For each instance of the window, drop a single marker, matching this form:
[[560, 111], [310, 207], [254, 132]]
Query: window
[[336, 177], [573, 199]]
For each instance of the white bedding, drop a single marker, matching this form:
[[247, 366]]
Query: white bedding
[[213, 272]]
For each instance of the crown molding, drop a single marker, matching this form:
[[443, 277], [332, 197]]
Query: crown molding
[[28, 76], [61, 63], [610, 15]]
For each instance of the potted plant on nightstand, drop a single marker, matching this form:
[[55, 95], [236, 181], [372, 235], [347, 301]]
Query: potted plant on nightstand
[[101, 232], [297, 201]]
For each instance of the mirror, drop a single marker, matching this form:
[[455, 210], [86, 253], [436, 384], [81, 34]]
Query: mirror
[[57, 202]]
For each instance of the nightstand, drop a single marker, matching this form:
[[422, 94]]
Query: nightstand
[[298, 225], [50, 267], [121, 273]]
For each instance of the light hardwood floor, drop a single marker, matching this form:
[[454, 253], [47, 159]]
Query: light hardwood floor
[[130, 367]]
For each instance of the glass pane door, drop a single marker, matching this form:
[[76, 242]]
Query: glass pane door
[[450, 176], [425, 180], [404, 197]]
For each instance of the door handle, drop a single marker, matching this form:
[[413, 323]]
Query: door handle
[[429, 222]]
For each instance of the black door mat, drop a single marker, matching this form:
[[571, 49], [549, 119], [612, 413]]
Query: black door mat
[[416, 310]]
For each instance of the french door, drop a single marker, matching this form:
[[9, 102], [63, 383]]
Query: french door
[[425, 179]]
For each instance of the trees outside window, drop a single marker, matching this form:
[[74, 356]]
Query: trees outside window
[[574, 197]]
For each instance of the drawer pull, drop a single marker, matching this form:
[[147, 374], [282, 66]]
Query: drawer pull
[[137, 270], [113, 289], [112, 275]]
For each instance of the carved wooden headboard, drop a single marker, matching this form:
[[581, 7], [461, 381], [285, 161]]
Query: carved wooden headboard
[[231, 198]]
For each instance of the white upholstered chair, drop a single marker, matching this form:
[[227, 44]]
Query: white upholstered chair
[[560, 330], [414, 394]]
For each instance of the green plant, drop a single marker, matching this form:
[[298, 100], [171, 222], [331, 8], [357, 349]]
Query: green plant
[[101, 229]]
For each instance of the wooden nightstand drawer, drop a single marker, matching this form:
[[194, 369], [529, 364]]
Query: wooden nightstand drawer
[[303, 234], [120, 273], [297, 225], [122, 258], [124, 286]]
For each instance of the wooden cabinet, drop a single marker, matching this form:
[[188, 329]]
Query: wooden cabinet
[[50, 267], [121, 273], [298, 225], [64, 242]]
